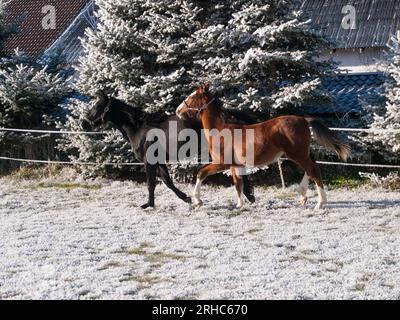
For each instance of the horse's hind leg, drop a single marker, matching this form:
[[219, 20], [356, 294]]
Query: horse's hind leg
[[312, 171], [166, 178], [238, 181], [321, 193], [204, 172], [151, 174], [248, 189], [302, 189]]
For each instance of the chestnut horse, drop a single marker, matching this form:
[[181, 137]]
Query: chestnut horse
[[285, 135]]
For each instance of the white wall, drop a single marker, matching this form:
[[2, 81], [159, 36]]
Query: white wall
[[357, 60]]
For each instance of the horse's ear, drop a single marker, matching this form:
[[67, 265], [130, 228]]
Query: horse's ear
[[101, 96], [204, 88]]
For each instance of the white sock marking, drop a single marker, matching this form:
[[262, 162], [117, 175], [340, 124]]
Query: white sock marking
[[196, 191], [240, 203], [321, 198], [302, 189]]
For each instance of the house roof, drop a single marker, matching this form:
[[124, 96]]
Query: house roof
[[376, 21], [33, 38], [348, 92], [69, 44]]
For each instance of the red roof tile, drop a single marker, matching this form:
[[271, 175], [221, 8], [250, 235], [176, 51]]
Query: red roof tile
[[34, 39]]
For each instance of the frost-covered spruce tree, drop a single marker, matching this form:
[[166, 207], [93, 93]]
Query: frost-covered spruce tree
[[265, 56], [139, 51], [258, 55], [387, 142], [28, 93]]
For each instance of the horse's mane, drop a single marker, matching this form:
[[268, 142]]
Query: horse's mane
[[137, 115], [154, 118], [234, 116]]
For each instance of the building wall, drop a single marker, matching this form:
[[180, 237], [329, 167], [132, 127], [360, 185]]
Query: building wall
[[357, 60]]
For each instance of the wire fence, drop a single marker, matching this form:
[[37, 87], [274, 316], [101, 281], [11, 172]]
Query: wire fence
[[366, 165], [78, 163], [52, 131], [366, 130]]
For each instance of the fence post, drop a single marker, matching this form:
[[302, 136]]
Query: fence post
[[281, 174]]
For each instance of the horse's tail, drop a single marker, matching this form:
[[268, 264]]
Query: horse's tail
[[329, 138]]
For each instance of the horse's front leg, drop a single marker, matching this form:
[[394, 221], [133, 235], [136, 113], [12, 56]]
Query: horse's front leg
[[165, 177], [238, 182], [205, 172], [151, 175]]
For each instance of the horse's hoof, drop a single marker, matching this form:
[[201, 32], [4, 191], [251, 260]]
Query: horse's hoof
[[240, 204], [252, 199], [319, 206], [303, 201], [147, 205], [188, 200], [199, 204]]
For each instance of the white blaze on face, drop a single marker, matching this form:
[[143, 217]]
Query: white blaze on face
[[183, 105]]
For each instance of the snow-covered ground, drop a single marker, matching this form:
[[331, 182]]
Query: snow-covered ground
[[96, 243]]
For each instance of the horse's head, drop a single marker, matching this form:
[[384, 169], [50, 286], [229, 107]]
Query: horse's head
[[192, 107], [99, 114]]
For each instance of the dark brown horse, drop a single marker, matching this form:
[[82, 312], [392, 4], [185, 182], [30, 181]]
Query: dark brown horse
[[285, 135]]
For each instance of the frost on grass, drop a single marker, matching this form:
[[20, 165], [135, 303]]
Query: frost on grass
[[92, 241]]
